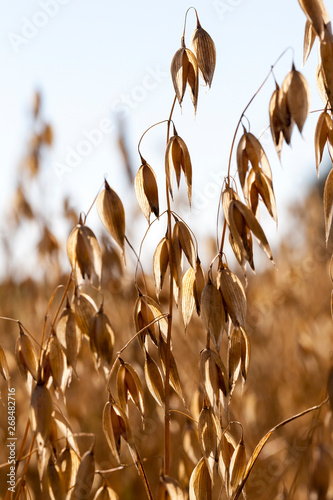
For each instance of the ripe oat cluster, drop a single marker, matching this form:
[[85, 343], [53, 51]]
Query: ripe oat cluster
[[218, 461]]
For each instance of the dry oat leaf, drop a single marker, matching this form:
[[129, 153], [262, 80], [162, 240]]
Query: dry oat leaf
[[146, 191], [213, 376], [85, 477], [328, 204], [233, 295], [26, 356], [111, 212], [106, 493], [84, 308], [101, 337], [237, 466], [200, 487], [203, 48], [309, 38], [276, 120], [177, 159], [160, 263], [182, 234], [298, 96], [254, 226], [129, 386], [173, 488], [69, 336], [56, 359], [323, 128], [208, 438], [212, 312], [40, 414], [84, 254], [326, 59], [4, 370], [69, 463], [316, 13], [154, 379], [184, 71], [173, 370], [55, 485], [188, 301]]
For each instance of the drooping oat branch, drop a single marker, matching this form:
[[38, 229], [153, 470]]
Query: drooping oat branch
[[233, 144]]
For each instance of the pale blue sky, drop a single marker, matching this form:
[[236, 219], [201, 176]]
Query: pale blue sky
[[90, 58]]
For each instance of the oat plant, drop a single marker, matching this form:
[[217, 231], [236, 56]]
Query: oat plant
[[215, 460]]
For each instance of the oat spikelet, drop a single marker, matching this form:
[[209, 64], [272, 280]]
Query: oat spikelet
[[184, 71], [309, 38], [323, 134], [203, 47], [84, 254], [328, 204], [298, 96], [316, 13], [26, 356], [154, 379], [101, 337], [4, 370], [146, 191], [160, 263], [177, 160], [200, 487], [85, 477], [233, 295], [237, 466], [212, 312], [40, 414], [129, 387], [111, 212], [208, 438]]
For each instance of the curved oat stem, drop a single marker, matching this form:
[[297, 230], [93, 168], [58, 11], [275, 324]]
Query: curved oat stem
[[196, 13], [155, 124], [264, 440]]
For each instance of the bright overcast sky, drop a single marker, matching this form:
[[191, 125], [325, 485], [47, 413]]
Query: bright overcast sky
[[91, 59]]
